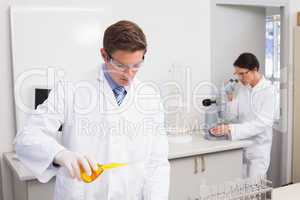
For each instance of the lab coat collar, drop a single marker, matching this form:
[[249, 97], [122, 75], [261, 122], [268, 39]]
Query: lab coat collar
[[261, 84], [109, 79]]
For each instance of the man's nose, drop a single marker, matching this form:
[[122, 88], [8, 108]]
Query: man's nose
[[128, 71]]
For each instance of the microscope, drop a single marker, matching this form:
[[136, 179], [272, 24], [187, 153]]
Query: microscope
[[215, 113]]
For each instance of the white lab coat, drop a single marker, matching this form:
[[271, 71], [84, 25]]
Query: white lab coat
[[93, 124], [255, 109]]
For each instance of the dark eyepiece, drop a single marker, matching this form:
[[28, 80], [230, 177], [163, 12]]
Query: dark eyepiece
[[208, 102]]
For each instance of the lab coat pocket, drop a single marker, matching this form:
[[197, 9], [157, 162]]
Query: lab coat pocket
[[68, 188]]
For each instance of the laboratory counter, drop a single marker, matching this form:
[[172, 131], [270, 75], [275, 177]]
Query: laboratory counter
[[290, 192], [198, 146], [191, 162]]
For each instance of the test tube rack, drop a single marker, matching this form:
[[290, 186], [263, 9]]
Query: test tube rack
[[246, 189]]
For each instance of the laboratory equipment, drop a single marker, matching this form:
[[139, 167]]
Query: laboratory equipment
[[99, 171], [258, 188], [178, 112], [216, 109]]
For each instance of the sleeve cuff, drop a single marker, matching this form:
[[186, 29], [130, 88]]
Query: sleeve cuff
[[52, 168]]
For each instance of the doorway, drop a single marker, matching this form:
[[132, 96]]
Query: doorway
[[261, 29]]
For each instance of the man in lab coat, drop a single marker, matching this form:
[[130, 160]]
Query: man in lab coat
[[105, 120], [253, 104]]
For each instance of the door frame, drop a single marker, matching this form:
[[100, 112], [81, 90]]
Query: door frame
[[286, 75]]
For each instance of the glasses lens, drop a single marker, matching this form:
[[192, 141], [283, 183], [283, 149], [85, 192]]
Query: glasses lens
[[121, 66], [138, 65]]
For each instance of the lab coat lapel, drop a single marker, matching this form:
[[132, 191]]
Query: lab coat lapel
[[107, 91]]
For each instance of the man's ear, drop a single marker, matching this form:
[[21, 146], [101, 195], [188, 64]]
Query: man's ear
[[104, 54]]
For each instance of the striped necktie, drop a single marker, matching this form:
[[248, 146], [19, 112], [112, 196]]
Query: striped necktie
[[119, 93]]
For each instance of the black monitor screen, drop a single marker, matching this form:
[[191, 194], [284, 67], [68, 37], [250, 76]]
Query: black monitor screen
[[40, 96]]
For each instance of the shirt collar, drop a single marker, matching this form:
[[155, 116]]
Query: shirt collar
[[109, 79]]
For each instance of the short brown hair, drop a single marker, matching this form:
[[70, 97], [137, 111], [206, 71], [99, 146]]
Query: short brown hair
[[124, 35]]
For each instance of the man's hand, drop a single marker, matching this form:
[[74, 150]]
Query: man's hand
[[220, 130], [230, 95], [72, 162]]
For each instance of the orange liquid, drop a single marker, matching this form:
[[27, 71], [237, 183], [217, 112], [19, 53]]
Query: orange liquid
[[95, 174], [98, 172]]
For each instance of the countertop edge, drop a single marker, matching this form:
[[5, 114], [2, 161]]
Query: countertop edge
[[25, 175]]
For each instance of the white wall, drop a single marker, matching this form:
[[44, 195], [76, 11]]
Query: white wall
[[6, 100], [178, 33], [236, 29], [294, 8], [163, 30], [272, 11]]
